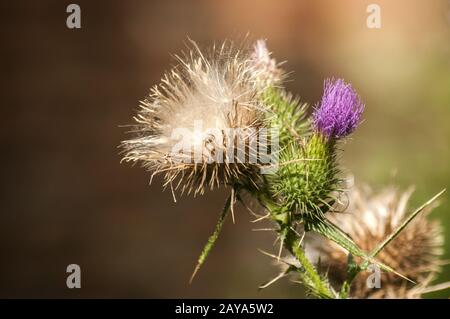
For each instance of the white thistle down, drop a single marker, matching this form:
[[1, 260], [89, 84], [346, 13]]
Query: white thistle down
[[202, 98], [269, 71]]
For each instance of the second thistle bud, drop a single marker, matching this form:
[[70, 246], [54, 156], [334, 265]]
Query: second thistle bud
[[307, 176]]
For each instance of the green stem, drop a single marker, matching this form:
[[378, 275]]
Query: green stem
[[293, 244], [213, 238]]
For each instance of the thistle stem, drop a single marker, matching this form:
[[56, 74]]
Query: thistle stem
[[293, 245]]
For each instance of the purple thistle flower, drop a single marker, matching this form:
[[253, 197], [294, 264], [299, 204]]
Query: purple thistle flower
[[339, 111]]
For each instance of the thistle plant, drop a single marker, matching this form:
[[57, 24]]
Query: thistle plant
[[223, 118]]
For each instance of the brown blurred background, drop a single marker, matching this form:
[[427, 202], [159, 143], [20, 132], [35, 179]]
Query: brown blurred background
[[66, 199]]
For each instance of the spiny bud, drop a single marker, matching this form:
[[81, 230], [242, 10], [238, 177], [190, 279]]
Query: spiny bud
[[287, 114], [306, 177]]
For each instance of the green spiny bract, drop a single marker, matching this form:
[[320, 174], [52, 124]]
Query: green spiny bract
[[307, 176], [287, 114]]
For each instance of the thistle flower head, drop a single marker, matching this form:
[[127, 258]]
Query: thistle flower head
[[267, 69], [339, 111], [370, 219], [204, 107]]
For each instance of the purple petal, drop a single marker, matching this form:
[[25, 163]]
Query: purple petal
[[339, 111]]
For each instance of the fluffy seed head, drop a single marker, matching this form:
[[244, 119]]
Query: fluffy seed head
[[268, 70], [369, 219], [339, 111], [204, 107]]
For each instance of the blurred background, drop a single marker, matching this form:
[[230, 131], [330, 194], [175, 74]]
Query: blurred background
[[65, 197]]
